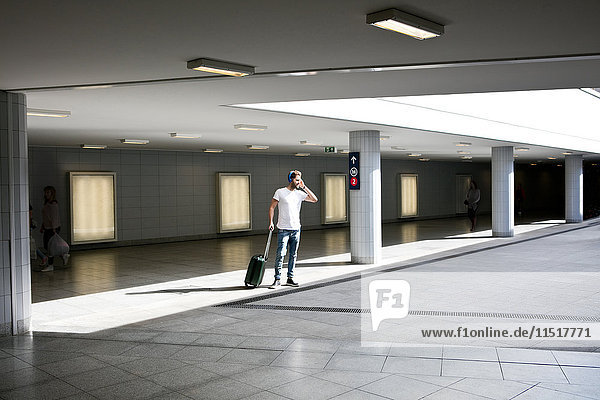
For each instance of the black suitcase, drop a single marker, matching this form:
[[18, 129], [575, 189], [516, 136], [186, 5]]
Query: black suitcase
[[256, 267]]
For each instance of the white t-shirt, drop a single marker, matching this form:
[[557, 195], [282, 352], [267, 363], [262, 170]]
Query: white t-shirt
[[289, 208]]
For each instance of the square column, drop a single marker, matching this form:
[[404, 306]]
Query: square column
[[365, 204], [503, 179], [15, 270], [574, 188]]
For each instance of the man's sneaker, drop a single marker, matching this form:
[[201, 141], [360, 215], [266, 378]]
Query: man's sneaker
[[275, 284], [65, 258], [290, 282], [44, 262], [47, 268]]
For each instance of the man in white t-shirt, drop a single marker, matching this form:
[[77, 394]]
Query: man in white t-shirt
[[289, 199]]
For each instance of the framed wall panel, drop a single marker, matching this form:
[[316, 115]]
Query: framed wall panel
[[93, 207], [334, 193], [234, 208], [408, 198]]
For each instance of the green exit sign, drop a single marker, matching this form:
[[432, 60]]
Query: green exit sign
[[329, 149]]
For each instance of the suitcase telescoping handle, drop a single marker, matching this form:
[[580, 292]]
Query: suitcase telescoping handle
[[268, 245]]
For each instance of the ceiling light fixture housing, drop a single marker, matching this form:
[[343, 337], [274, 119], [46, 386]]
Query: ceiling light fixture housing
[[302, 154], [405, 23], [38, 112], [94, 146], [220, 67], [212, 150], [135, 141], [462, 144], [521, 148], [184, 136], [308, 143], [257, 147], [414, 155], [248, 127], [398, 148]]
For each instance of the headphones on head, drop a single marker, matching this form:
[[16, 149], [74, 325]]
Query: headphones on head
[[290, 175]]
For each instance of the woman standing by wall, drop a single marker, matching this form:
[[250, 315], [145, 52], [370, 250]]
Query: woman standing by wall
[[51, 224]]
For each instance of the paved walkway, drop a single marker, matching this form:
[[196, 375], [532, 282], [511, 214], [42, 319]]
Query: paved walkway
[[181, 336]]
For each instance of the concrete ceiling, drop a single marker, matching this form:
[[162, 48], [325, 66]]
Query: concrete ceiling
[[120, 67]]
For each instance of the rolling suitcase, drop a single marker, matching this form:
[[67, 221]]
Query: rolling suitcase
[[256, 267]]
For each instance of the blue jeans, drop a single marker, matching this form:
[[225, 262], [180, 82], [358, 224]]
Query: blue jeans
[[286, 239]]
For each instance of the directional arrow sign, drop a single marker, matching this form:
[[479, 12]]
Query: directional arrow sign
[[354, 171]]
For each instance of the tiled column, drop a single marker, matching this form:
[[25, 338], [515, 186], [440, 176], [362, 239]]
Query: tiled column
[[15, 275], [365, 204], [574, 188], [503, 178]]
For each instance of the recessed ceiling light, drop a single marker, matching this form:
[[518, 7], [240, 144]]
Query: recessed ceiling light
[[567, 153], [466, 157], [384, 137], [559, 165], [533, 164], [184, 136], [423, 159], [462, 144], [94, 146], [551, 158], [343, 151], [248, 127], [135, 141], [220, 67], [521, 148], [398, 148], [407, 24], [463, 152], [38, 112], [414, 155], [257, 147], [212, 150], [302, 154], [307, 143]]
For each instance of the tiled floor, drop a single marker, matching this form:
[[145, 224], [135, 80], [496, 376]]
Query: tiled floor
[[257, 350]]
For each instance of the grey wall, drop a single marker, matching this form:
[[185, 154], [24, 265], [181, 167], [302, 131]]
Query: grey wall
[[165, 195], [436, 186]]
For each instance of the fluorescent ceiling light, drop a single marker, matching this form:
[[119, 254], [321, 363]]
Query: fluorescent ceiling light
[[466, 157], [343, 151], [463, 152], [307, 143], [551, 158], [302, 154], [248, 127], [184, 136], [135, 141], [423, 159], [257, 147], [212, 150], [567, 153], [521, 148], [462, 144], [220, 67], [407, 24], [94, 146], [38, 112], [414, 155]]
